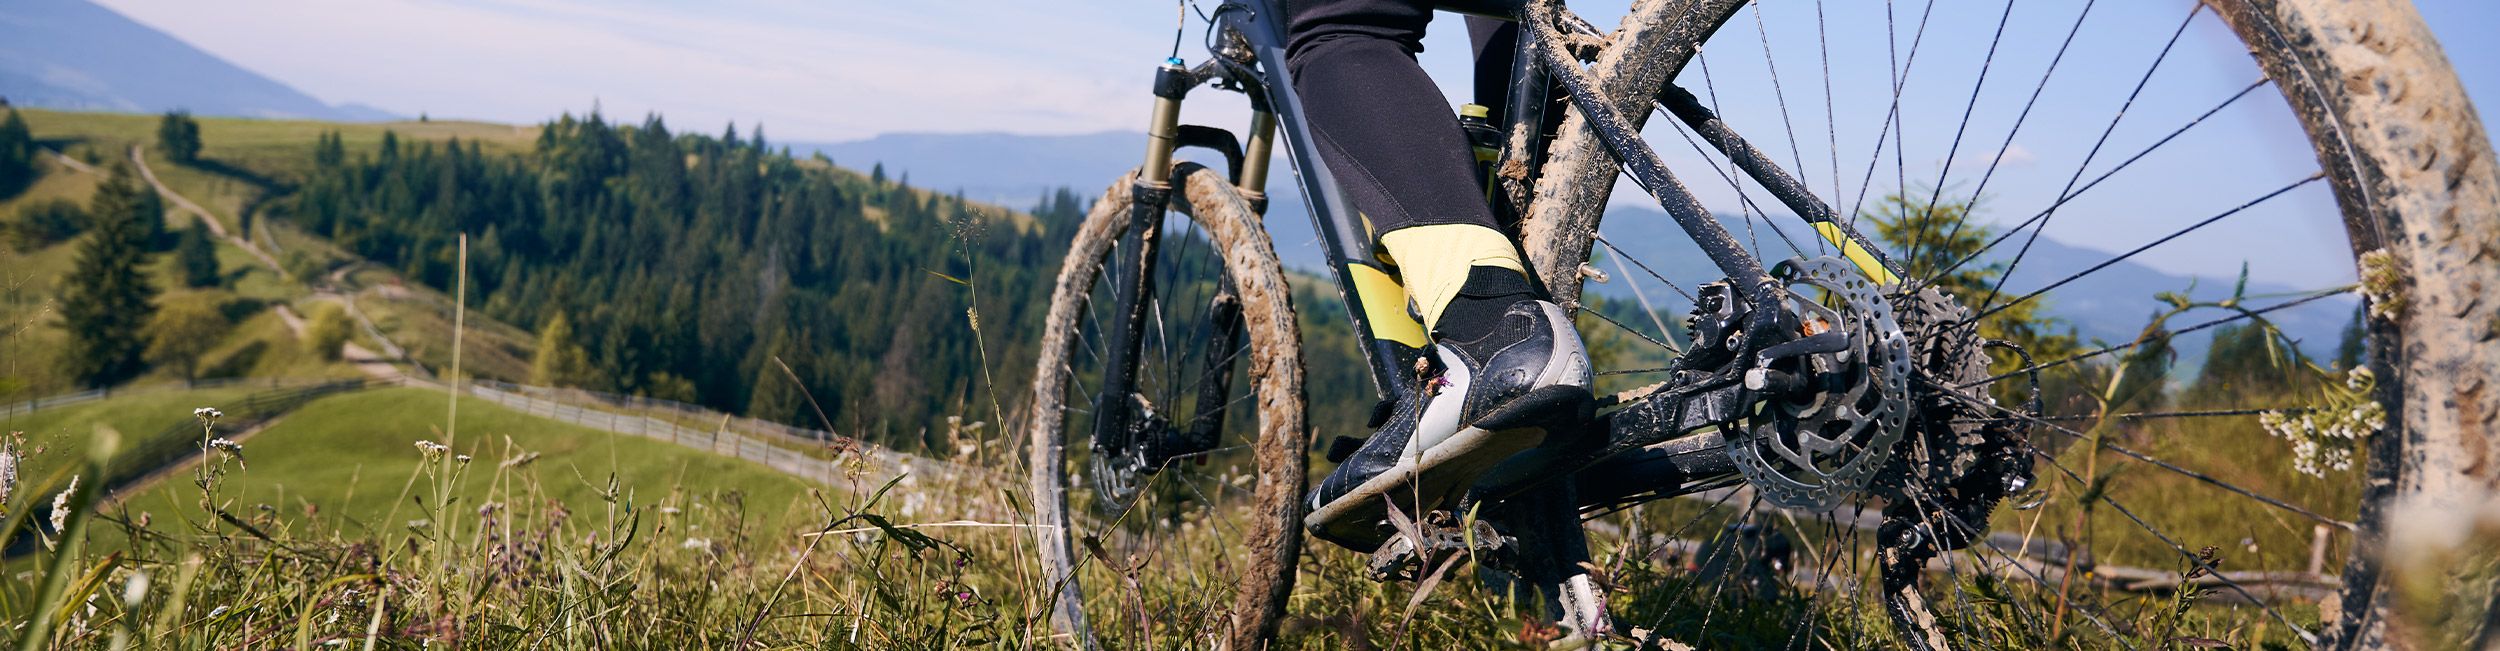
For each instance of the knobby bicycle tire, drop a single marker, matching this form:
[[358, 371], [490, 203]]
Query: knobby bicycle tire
[[1272, 542], [2412, 171]]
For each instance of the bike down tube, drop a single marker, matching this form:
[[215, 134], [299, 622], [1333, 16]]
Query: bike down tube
[[1853, 245], [1391, 339]]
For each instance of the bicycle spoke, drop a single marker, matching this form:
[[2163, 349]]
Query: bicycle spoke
[[1744, 197], [1777, 91], [2019, 120], [1745, 205], [1610, 246], [2201, 563], [1601, 316], [1950, 153], [2244, 314], [1831, 124], [1892, 116], [2140, 83], [2096, 181], [1974, 319], [2148, 415], [2158, 463], [1642, 297]]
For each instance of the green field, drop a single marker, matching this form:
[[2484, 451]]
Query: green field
[[353, 455], [244, 163]]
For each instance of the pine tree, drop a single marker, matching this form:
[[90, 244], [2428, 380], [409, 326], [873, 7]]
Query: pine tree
[[777, 397], [107, 300], [17, 154], [195, 255], [330, 151]]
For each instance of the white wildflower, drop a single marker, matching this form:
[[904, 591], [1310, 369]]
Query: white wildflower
[[60, 505], [135, 589], [207, 413], [432, 449], [696, 543], [8, 473], [460, 458]]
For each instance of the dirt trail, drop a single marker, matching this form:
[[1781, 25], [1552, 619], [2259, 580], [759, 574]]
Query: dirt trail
[[73, 163], [138, 155], [373, 365]]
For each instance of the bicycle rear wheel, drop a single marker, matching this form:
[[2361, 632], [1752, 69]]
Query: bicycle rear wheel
[[2266, 489], [1170, 493]]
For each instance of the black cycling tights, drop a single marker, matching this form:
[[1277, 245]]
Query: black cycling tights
[[1383, 128]]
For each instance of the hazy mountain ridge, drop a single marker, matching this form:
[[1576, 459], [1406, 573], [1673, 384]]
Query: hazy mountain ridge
[[77, 55], [2112, 304]]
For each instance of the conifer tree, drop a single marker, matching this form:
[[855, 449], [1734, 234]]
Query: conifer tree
[[195, 255], [17, 154], [107, 301], [329, 151]]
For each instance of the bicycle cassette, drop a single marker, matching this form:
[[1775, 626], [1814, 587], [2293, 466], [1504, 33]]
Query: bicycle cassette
[[1833, 400]]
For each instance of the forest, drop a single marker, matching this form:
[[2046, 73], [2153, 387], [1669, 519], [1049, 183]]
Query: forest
[[679, 266]]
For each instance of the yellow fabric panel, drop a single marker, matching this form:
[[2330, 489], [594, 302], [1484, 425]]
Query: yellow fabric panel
[[1384, 306], [1434, 260], [1857, 255]]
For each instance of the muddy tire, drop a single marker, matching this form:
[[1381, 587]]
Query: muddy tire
[[1261, 559]]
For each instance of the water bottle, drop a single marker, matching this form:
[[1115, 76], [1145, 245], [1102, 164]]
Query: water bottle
[[1486, 140]]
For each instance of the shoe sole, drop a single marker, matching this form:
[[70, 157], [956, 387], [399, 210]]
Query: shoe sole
[[1354, 519]]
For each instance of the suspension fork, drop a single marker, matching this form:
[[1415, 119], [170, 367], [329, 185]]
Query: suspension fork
[[1134, 267]]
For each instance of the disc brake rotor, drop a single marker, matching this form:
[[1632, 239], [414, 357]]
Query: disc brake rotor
[[1811, 448]]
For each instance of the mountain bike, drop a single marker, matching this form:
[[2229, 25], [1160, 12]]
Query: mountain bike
[[1837, 426]]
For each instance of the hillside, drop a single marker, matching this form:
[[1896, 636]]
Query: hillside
[[50, 58], [682, 280], [2111, 304]]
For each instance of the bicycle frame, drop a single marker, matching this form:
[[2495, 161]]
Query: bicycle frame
[[1658, 445]]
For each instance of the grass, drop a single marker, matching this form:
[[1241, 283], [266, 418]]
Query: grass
[[419, 319], [57, 436], [353, 454], [604, 540], [340, 530]]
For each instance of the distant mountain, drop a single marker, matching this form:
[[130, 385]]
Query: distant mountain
[[76, 55], [2112, 304]]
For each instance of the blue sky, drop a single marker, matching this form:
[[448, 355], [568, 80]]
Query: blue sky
[[846, 69]]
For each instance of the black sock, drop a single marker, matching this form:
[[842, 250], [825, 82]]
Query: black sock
[[1480, 303]]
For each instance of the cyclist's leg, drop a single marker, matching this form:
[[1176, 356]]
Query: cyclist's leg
[[1512, 364], [1398, 153]]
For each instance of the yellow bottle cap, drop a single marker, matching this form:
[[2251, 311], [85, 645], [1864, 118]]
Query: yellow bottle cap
[[1474, 111]]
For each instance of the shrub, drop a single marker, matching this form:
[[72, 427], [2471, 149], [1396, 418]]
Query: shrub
[[44, 223], [327, 333]]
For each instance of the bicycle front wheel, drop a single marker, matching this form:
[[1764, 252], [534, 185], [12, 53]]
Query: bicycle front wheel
[[1194, 471], [2202, 463]]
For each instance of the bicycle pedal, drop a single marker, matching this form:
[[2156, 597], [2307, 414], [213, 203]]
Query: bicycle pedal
[[1405, 558]]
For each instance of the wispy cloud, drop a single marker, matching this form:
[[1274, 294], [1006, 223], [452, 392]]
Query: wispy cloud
[[805, 69], [2013, 156]]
